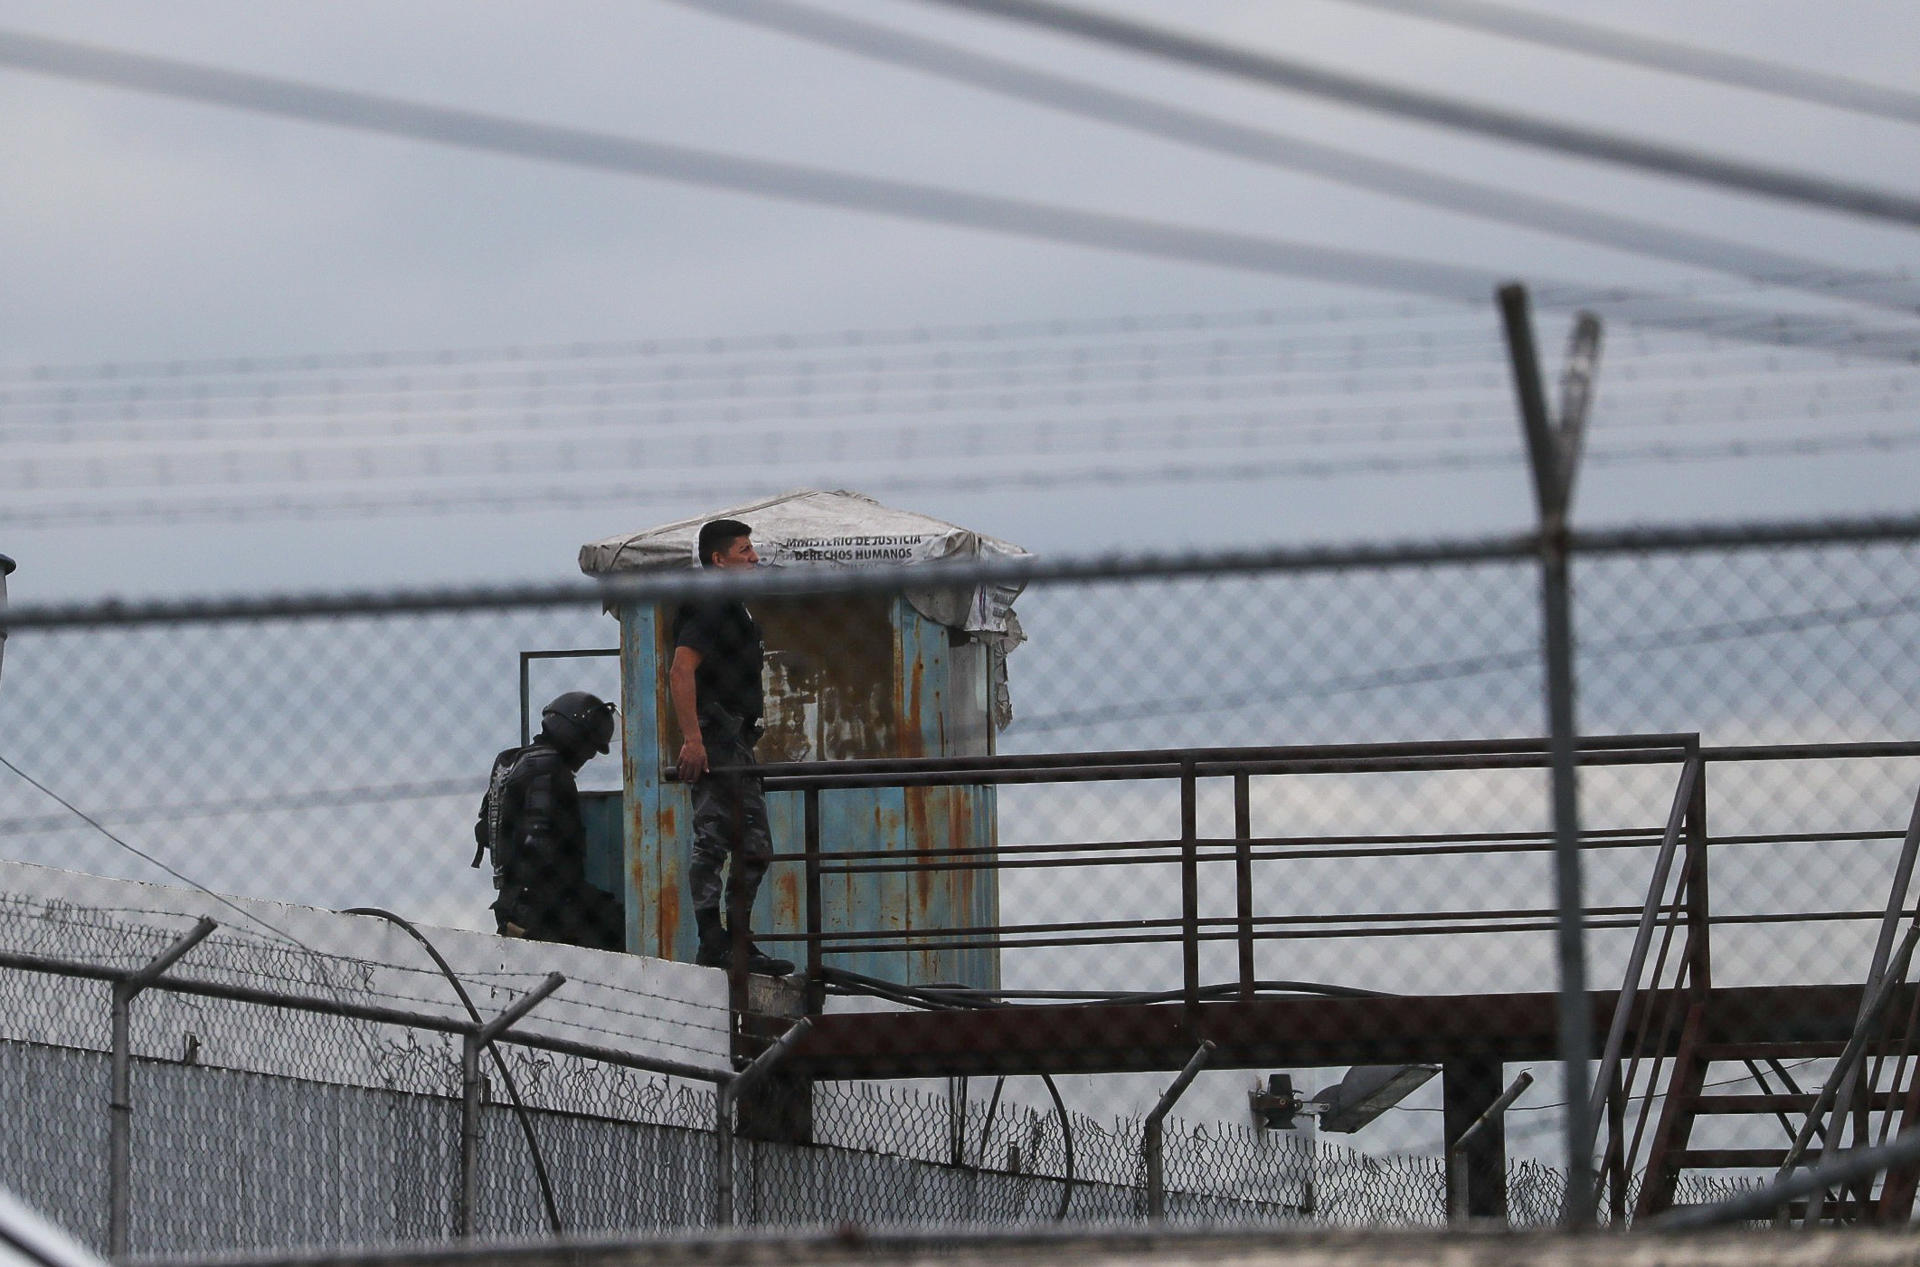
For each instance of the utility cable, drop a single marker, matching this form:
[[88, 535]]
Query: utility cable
[[1221, 136], [849, 191], [955, 1000], [499, 134], [1431, 108], [415, 499], [316, 798], [1774, 78], [493, 1048], [958, 996], [1650, 642], [993, 334], [148, 858]]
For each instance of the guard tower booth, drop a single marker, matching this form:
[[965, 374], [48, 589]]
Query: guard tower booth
[[917, 675]]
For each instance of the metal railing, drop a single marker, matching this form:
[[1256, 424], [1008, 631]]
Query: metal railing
[[1189, 850]]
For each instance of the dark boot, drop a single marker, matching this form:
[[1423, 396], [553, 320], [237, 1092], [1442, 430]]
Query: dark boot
[[715, 950], [761, 962]]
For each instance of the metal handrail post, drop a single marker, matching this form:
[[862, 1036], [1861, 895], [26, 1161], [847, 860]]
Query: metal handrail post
[[1457, 1152], [1150, 1136], [120, 1093], [1243, 879], [726, 1097], [1615, 1176], [471, 1043], [1699, 891], [1840, 1169], [1870, 1010], [1882, 948], [1189, 886], [738, 907], [816, 917], [1642, 942]]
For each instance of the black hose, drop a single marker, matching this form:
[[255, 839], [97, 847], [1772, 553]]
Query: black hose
[[1066, 1143], [499, 1063], [962, 999], [993, 1107], [957, 996]]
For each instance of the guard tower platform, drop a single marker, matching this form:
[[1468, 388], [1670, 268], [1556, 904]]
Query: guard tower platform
[[1228, 911]]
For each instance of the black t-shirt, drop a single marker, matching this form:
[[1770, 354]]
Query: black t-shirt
[[728, 640]]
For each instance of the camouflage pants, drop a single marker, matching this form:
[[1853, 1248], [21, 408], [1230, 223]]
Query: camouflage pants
[[728, 807]]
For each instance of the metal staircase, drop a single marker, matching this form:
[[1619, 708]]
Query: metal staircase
[[1870, 1094]]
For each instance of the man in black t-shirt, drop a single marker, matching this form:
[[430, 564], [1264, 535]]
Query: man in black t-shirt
[[714, 682]]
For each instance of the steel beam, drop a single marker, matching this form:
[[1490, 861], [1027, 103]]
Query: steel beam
[[1279, 1032]]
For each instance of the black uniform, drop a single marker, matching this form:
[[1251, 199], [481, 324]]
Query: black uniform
[[728, 808], [727, 683], [530, 820]]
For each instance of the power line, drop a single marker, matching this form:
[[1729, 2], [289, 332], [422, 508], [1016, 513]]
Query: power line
[[606, 152], [868, 416], [1324, 326], [442, 448], [1072, 374], [1506, 125], [242, 911], [1793, 82], [320, 798], [1262, 694], [1221, 136], [599, 490], [821, 187], [987, 334], [1256, 695], [836, 386]]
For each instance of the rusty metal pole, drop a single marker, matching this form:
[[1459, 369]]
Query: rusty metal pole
[[739, 912], [816, 919], [1554, 453], [120, 1099]]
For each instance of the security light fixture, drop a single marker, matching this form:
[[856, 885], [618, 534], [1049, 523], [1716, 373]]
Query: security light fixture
[[1273, 1109], [1366, 1092]]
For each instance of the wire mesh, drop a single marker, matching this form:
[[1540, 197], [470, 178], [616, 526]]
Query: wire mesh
[[1386, 873]]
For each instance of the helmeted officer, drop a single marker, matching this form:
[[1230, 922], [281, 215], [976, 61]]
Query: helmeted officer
[[531, 823]]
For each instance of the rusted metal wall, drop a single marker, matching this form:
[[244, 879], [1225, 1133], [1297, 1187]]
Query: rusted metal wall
[[846, 678]]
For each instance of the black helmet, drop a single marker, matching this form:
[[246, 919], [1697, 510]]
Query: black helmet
[[580, 721]]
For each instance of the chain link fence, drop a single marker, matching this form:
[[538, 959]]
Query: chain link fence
[[1304, 783]]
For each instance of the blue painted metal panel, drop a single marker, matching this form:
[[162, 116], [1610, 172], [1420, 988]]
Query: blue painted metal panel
[[606, 840], [857, 678]]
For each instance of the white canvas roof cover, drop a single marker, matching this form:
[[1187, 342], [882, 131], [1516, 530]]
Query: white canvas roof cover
[[837, 528]]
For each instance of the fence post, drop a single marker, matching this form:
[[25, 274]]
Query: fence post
[[1554, 453], [467, 1199], [1151, 1141], [725, 1097], [1457, 1205], [120, 1097]]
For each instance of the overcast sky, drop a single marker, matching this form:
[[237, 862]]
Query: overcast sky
[[140, 229], [136, 228]]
